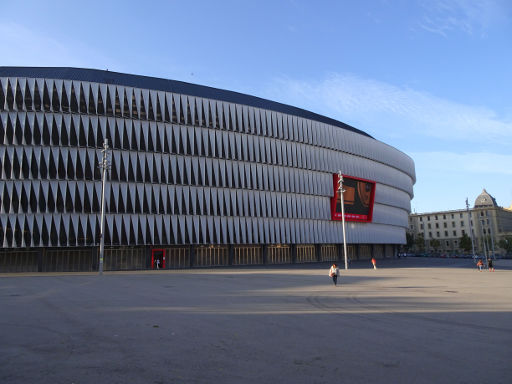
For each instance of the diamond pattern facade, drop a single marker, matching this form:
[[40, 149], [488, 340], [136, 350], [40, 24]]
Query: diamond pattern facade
[[185, 169]]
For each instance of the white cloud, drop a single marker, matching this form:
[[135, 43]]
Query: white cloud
[[372, 105], [471, 17], [469, 163]]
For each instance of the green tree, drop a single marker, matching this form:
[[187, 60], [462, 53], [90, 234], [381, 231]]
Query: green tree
[[434, 243], [410, 241], [506, 244], [420, 243], [465, 243]]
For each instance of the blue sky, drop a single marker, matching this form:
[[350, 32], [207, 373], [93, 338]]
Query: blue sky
[[431, 78]]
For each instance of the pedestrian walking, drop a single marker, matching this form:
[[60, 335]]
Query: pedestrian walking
[[333, 273], [490, 265], [480, 264], [157, 263], [374, 262]]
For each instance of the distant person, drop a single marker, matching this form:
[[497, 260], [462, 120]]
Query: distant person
[[157, 263], [480, 264], [374, 262], [490, 265], [333, 273]]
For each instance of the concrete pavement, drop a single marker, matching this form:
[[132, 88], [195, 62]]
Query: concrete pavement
[[410, 321]]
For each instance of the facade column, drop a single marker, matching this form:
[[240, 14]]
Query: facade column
[[40, 252], [264, 253], [293, 252], [231, 254], [192, 255], [318, 252]]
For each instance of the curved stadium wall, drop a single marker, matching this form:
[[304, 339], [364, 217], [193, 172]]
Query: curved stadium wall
[[198, 176]]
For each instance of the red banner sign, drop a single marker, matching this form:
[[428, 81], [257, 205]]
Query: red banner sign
[[358, 199]]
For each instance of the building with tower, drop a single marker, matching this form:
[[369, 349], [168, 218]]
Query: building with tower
[[486, 222]]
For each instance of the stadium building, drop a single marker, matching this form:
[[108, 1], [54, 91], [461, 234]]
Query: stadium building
[[198, 177]]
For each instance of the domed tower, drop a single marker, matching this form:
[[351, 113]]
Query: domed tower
[[485, 200]]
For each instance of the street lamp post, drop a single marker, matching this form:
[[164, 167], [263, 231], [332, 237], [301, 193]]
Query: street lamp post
[[341, 191], [491, 233], [104, 165], [470, 229], [484, 241]]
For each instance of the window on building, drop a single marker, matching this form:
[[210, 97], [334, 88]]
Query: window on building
[[460, 215], [453, 224], [421, 226], [437, 225], [461, 223], [455, 233], [444, 216], [436, 217], [430, 234], [428, 218], [453, 216], [463, 232], [429, 226], [445, 225], [437, 233], [446, 233], [421, 218], [447, 243]]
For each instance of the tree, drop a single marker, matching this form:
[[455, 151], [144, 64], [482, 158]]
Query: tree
[[420, 243], [506, 244], [434, 243], [410, 241], [465, 243]]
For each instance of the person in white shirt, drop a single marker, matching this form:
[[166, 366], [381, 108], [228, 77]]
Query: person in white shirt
[[333, 273]]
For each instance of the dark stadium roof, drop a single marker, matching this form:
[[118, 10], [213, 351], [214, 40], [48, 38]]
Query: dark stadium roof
[[146, 82]]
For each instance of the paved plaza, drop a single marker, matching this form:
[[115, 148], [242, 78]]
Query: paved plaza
[[410, 321]]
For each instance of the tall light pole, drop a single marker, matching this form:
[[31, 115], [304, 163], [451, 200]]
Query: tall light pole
[[341, 191], [491, 232], [104, 165], [470, 229], [484, 241]]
